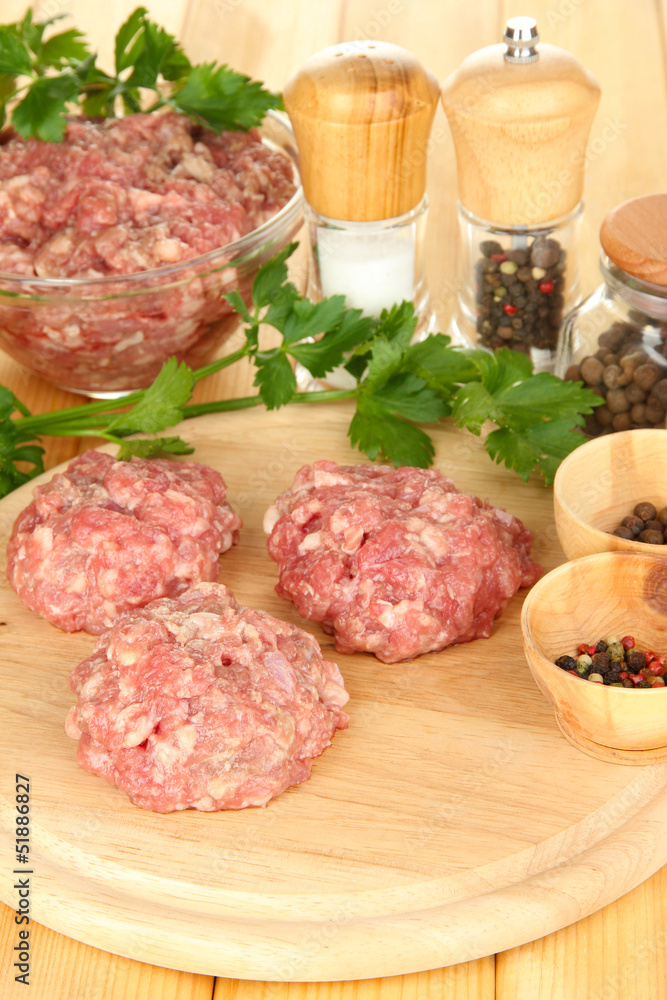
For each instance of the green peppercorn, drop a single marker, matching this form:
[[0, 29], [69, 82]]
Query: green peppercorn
[[509, 267], [615, 652]]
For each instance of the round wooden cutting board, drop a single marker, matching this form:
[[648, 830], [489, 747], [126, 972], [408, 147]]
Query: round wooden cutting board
[[450, 821]]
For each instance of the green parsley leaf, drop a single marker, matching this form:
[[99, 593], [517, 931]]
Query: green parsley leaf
[[442, 366], [378, 433], [14, 58], [271, 276], [130, 40], [41, 111], [236, 301], [409, 396], [162, 403], [327, 353], [153, 447], [543, 397], [224, 99], [275, 378], [397, 325], [64, 48], [13, 447], [502, 369], [159, 56], [473, 405], [307, 318], [545, 445], [282, 303]]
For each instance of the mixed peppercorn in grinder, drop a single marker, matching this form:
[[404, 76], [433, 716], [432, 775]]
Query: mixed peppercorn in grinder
[[520, 114], [362, 114]]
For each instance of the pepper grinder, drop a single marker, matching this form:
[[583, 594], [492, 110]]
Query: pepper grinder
[[362, 113], [520, 114]]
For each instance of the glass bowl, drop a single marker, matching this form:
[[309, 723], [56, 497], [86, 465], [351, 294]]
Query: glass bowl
[[104, 337]]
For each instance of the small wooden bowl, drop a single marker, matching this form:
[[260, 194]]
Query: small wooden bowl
[[600, 483], [602, 595]]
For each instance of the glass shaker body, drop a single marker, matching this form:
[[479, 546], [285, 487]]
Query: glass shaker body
[[616, 343], [515, 285], [373, 264]]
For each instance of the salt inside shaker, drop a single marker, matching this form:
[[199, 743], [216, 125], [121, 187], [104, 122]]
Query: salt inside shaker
[[520, 114], [362, 113]]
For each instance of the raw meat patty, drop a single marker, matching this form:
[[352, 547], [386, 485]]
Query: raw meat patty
[[396, 562], [196, 702], [107, 536]]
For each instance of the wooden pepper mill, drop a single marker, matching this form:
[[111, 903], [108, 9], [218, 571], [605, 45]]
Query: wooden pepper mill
[[520, 116], [362, 113]]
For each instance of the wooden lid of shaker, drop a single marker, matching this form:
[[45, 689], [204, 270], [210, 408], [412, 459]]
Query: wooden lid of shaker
[[634, 237], [520, 115], [362, 113]]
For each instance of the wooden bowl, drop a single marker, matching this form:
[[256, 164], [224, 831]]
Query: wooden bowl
[[600, 483], [602, 595]]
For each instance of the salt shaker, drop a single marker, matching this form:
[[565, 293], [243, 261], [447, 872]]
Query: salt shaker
[[520, 114], [362, 113]]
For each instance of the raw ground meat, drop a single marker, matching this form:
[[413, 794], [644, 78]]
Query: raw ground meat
[[107, 536], [197, 702], [119, 198], [396, 562]]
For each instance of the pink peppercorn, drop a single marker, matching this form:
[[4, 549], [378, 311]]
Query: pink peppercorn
[[546, 287]]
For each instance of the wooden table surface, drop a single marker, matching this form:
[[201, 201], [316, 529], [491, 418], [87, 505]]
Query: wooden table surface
[[620, 951]]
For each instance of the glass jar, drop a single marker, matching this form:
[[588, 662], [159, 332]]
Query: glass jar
[[516, 283], [616, 343], [373, 264]]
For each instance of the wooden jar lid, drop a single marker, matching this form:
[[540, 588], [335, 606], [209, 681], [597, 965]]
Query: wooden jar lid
[[362, 113], [634, 237], [520, 133]]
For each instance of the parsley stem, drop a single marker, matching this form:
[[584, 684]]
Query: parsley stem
[[246, 402], [44, 423], [217, 366]]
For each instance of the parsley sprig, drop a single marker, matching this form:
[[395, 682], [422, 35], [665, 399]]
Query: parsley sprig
[[399, 386], [41, 79]]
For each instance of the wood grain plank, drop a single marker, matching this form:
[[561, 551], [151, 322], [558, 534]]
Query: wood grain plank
[[63, 969], [265, 40], [470, 981], [617, 953]]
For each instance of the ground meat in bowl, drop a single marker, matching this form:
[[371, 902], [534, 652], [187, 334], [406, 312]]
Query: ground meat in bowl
[[396, 562], [122, 195], [107, 536], [195, 702], [118, 244]]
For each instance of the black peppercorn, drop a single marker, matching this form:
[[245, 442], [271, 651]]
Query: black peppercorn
[[566, 662], [645, 510], [635, 660]]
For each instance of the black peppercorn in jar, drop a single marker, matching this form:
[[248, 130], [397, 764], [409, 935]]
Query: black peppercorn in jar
[[520, 282], [615, 342]]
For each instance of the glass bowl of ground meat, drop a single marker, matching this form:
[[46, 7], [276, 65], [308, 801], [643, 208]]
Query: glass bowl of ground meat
[[118, 244]]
